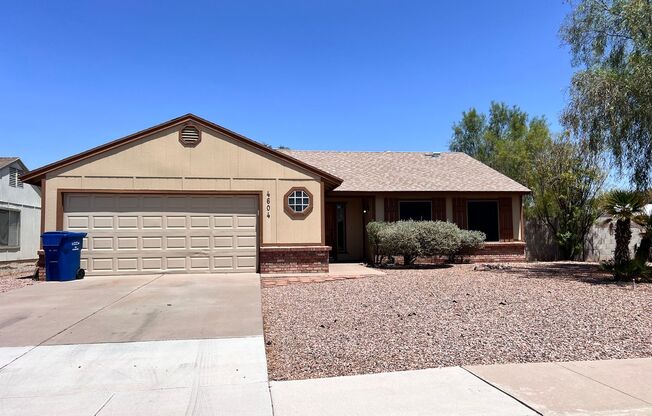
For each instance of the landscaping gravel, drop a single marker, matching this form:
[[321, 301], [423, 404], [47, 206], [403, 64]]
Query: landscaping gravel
[[16, 275], [412, 319]]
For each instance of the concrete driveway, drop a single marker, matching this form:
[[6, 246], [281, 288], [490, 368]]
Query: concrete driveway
[[161, 344]]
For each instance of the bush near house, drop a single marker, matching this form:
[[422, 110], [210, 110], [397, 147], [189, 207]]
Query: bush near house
[[413, 239]]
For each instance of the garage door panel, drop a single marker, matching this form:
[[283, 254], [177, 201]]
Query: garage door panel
[[127, 264], [100, 243], [175, 263], [246, 242], [200, 222], [104, 203], [127, 222], [128, 203], [176, 222], [151, 222], [101, 265], [246, 262], [200, 242], [223, 263], [175, 242], [200, 263], [223, 222], [147, 233], [75, 222], [127, 243], [152, 263], [152, 243], [102, 222]]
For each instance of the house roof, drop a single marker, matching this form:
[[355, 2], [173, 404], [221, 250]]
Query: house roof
[[4, 161], [36, 175], [409, 172]]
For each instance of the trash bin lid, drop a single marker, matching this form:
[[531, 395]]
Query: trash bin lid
[[71, 234], [53, 238]]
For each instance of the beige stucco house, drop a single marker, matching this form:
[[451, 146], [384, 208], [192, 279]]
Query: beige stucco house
[[191, 196]]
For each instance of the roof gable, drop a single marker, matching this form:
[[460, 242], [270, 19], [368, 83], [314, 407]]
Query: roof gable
[[7, 161], [36, 175]]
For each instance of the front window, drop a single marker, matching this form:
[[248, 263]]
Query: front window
[[9, 228], [415, 210], [483, 216], [298, 203]]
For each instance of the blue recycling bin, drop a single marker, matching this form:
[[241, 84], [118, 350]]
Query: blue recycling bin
[[62, 255]]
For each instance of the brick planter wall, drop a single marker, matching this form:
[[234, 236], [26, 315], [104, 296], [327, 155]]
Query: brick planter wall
[[512, 251], [294, 259], [493, 252]]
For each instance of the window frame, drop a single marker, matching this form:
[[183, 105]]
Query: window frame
[[17, 246], [400, 202], [291, 212]]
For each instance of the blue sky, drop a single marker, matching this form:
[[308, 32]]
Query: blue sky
[[363, 75]]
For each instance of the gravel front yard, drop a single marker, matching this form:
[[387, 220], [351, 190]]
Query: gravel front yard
[[16, 275], [413, 319]]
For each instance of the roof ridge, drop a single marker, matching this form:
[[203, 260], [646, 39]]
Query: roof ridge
[[367, 151]]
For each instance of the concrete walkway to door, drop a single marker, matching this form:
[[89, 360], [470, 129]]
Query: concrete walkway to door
[[163, 344]]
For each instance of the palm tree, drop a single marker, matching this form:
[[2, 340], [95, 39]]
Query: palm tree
[[622, 207]]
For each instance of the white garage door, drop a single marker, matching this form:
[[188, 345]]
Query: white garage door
[[136, 234]]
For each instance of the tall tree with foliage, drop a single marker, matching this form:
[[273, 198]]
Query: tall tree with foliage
[[508, 139], [565, 185], [610, 105]]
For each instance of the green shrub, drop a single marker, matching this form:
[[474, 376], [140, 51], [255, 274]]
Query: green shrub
[[633, 269], [412, 239], [438, 238], [400, 238], [470, 241], [374, 229]]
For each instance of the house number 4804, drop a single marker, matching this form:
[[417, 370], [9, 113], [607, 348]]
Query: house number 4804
[[268, 204]]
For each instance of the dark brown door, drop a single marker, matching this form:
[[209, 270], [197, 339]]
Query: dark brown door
[[331, 229]]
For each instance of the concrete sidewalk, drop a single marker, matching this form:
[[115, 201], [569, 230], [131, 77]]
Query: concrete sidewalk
[[610, 387], [613, 387], [448, 391]]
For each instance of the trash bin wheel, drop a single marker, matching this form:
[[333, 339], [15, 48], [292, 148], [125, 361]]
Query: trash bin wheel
[[80, 274]]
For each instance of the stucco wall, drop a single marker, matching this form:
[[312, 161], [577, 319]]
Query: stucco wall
[[218, 163], [27, 200]]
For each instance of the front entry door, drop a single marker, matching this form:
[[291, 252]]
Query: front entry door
[[331, 229]]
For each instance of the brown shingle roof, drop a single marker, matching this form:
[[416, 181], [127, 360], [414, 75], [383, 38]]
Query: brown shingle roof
[[408, 171]]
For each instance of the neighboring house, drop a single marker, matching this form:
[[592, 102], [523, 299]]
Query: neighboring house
[[20, 213], [191, 196]]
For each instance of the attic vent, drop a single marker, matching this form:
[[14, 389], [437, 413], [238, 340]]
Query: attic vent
[[433, 154], [14, 178], [190, 136]]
